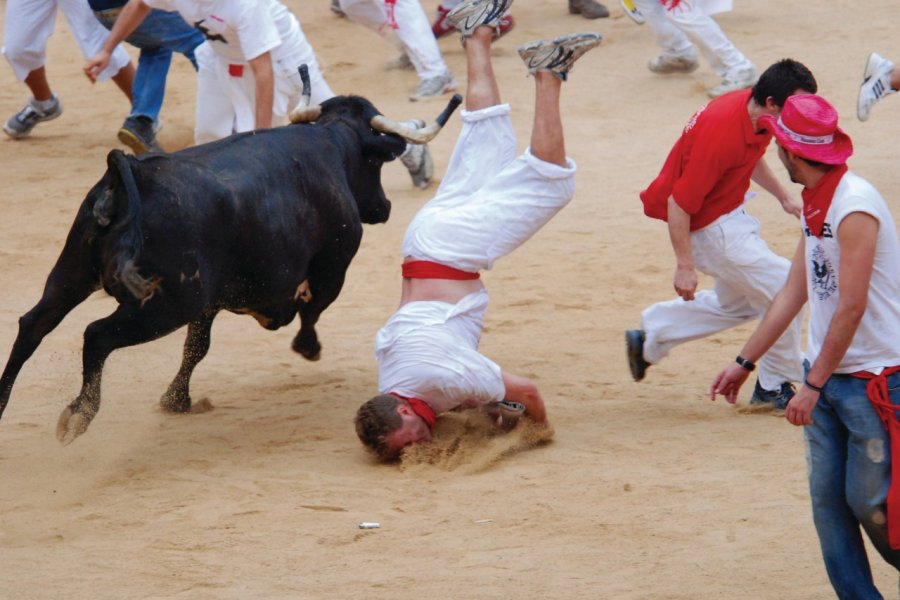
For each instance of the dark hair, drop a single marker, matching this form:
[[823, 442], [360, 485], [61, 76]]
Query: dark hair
[[782, 80], [375, 419]]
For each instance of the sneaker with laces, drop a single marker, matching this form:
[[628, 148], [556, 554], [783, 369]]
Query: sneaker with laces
[[469, 15], [433, 87], [417, 159], [634, 343], [777, 399], [442, 27], [739, 81], [663, 65], [20, 124], [875, 86], [137, 133], [557, 55]]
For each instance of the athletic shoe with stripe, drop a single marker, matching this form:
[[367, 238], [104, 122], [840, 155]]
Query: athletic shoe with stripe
[[875, 86], [557, 55], [469, 15]]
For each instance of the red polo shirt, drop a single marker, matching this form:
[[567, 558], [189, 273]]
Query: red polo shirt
[[708, 169]]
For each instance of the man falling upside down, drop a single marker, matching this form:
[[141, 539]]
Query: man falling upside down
[[489, 203]]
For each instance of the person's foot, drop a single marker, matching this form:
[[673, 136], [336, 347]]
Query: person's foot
[[633, 12], [469, 15], [589, 9], [634, 343], [663, 65], [417, 160], [433, 87], [401, 63], [777, 399], [20, 124], [557, 55], [137, 133], [336, 8], [740, 80], [442, 27], [875, 86]]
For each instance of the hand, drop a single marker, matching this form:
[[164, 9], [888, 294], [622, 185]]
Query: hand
[[728, 382], [95, 65], [685, 282], [799, 409], [791, 207]]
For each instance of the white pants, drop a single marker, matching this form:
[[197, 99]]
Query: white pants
[[226, 103], [412, 36], [747, 276], [490, 200], [690, 25], [30, 23]]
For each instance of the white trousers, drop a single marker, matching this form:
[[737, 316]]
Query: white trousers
[[226, 103], [490, 201], [689, 26], [29, 24], [747, 276], [412, 36]]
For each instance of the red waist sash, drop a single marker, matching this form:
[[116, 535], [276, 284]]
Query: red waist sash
[[877, 391], [425, 269]]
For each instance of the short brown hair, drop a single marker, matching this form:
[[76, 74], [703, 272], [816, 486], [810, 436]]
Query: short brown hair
[[375, 420]]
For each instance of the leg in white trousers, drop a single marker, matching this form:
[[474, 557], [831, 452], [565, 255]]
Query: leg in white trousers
[[747, 276]]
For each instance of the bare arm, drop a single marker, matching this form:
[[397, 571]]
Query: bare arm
[[857, 236], [265, 89], [762, 175], [685, 280], [521, 389], [785, 306], [132, 15]]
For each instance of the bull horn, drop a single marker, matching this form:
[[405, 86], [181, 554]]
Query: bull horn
[[303, 112], [411, 134]]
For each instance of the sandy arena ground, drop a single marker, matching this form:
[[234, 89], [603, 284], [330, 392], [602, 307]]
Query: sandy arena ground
[[647, 491]]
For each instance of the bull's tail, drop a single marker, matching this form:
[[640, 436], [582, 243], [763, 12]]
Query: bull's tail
[[122, 212]]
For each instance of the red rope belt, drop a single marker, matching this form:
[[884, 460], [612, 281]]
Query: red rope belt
[[877, 391], [425, 269]]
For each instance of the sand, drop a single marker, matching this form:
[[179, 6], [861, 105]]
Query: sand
[[646, 491]]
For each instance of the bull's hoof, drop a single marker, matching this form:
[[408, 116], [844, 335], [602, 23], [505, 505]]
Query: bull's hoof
[[308, 351], [175, 402], [70, 426]]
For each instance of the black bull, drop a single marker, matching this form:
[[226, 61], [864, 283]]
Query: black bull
[[263, 223]]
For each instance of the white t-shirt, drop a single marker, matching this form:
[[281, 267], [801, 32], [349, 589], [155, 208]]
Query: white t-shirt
[[876, 343], [428, 350], [240, 30]]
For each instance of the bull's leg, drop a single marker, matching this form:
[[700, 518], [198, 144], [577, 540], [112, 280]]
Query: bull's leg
[[59, 298], [129, 325], [326, 278], [177, 398]]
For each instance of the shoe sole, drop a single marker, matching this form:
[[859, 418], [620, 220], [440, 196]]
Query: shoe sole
[[467, 23], [634, 342], [562, 52], [633, 12], [132, 141]]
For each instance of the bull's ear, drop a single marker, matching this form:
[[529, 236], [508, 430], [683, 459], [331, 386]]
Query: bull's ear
[[384, 147]]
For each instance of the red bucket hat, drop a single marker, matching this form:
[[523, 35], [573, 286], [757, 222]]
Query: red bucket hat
[[808, 127]]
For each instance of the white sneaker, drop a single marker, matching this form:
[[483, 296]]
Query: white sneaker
[[433, 87], [664, 65], [469, 15], [417, 159], [633, 12], [739, 81], [557, 55], [875, 86], [20, 124]]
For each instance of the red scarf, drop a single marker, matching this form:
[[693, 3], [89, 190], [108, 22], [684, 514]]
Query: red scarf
[[421, 408], [817, 199], [877, 391], [425, 269]]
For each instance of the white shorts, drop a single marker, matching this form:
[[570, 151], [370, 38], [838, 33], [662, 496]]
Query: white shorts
[[490, 201]]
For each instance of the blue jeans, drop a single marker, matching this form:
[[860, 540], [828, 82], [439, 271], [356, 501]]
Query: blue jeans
[[849, 459], [160, 34]]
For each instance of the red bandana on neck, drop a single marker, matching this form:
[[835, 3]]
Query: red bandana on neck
[[817, 199], [421, 408]]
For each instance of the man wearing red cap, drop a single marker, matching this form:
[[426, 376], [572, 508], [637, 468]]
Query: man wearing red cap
[[847, 266], [700, 192]]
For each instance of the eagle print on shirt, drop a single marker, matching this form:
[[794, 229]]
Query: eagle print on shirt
[[821, 271]]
